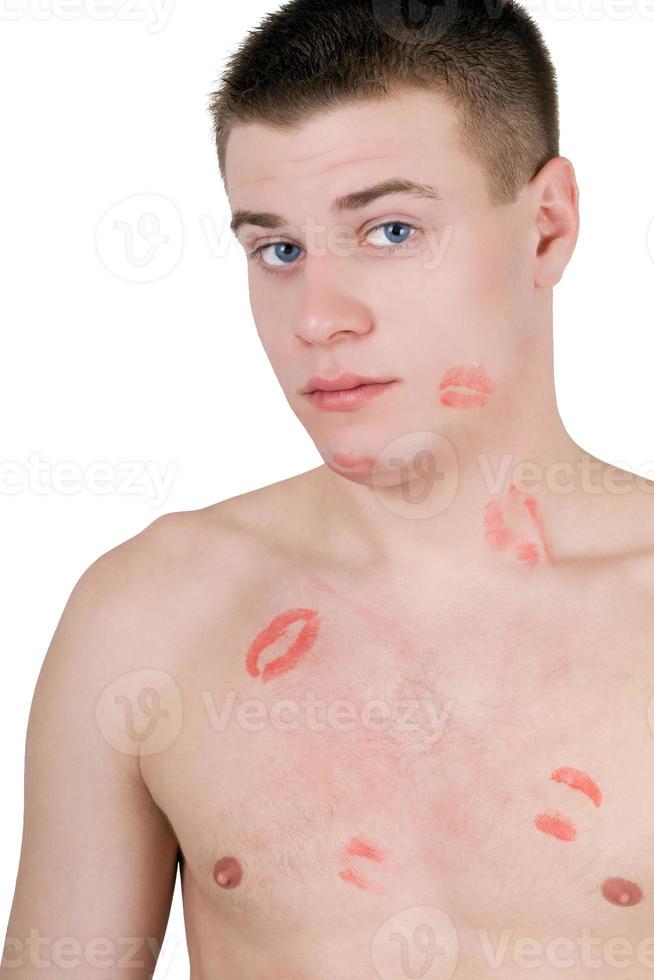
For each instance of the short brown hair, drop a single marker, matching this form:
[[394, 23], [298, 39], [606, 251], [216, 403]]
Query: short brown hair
[[492, 65]]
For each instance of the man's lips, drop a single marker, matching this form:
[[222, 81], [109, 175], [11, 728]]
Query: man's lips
[[347, 399], [479, 384], [344, 382]]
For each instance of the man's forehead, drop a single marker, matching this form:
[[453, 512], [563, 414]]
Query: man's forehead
[[392, 130], [268, 187], [267, 172]]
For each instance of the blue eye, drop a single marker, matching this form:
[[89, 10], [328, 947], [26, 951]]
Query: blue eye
[[281, 246], [281, 249], [393, 225]]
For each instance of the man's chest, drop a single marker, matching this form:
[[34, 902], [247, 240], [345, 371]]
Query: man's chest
[[495, 762]]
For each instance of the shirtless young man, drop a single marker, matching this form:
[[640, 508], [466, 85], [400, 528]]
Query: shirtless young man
[[391, 716]]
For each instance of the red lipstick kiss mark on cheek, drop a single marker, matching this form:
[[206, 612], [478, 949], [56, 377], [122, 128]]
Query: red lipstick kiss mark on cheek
[[556, 825], [357, 847], [576, 779], [619, 891], [479, 384], [227, 872], [298, 649]]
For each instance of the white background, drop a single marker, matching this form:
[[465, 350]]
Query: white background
[[106, 100]]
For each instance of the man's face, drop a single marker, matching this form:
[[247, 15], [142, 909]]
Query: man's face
[[435, 294]]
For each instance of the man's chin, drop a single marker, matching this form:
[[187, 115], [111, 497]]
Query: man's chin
[[403, 459], [360, 470]]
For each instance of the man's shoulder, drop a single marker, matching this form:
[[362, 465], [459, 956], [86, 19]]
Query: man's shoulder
[[253, 523], [167, 554], [139, 607], [218, 549]]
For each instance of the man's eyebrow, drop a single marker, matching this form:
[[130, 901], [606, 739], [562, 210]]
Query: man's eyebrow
[[348, 202]]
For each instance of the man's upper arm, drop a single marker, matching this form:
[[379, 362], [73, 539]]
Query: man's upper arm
[[98, 859]]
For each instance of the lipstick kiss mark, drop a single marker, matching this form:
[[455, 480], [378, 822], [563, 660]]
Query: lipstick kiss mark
[[298, 649], [501, 537], [357, 847], [348, 462], [576, 779], [534, 513], [479, 384], [555, 824]]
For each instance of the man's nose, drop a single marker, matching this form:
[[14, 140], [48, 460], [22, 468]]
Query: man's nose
[[329, 310]]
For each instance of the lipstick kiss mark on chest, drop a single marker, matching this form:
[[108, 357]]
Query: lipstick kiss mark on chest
[[295, 652], [359, 848]]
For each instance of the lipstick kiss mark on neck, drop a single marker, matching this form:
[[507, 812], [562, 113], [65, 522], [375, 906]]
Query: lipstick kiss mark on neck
[[502, 537]]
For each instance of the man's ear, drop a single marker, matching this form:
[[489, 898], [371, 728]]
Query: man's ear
[[555, 198]]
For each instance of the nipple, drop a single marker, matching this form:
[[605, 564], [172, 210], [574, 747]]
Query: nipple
[[227, 872], [619, 891]]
